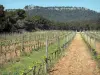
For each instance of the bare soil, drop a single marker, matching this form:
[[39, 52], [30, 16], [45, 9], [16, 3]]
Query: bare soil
[[77, 61]]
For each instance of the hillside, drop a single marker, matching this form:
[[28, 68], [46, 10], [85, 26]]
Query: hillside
[[62, 14]]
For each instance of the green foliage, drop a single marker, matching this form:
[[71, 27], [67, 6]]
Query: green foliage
[[10, 22], [98, 57], [48, 18], [21, 13], [2, 11]]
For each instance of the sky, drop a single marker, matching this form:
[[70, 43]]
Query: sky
[[14, 4]]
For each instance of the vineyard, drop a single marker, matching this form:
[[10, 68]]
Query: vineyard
[[36, 53], [32, 53], [82, 56], [49, 38], [92, 39]]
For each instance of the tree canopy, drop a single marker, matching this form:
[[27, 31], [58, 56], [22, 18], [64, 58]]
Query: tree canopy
[[14, 20]]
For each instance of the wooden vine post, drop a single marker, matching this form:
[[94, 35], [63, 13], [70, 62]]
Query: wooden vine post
[[65, 41], [34, 70], [46, 59], [87, 38], [0, 47], [22, 43], [90, 40], [58, 43], [94, 43]]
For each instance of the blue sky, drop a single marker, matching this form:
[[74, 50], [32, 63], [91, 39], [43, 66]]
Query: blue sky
[[91, 4]]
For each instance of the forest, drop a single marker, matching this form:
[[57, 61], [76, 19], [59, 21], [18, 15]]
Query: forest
[[32, 18]]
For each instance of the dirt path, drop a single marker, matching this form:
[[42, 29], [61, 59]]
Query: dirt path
[[78, 60]]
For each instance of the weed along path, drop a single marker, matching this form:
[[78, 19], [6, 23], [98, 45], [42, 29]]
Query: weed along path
[[78, 60]]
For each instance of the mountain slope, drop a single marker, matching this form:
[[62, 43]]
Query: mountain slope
[[63, 14]]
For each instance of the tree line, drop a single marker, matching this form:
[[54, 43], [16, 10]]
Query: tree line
[[18, 20]]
